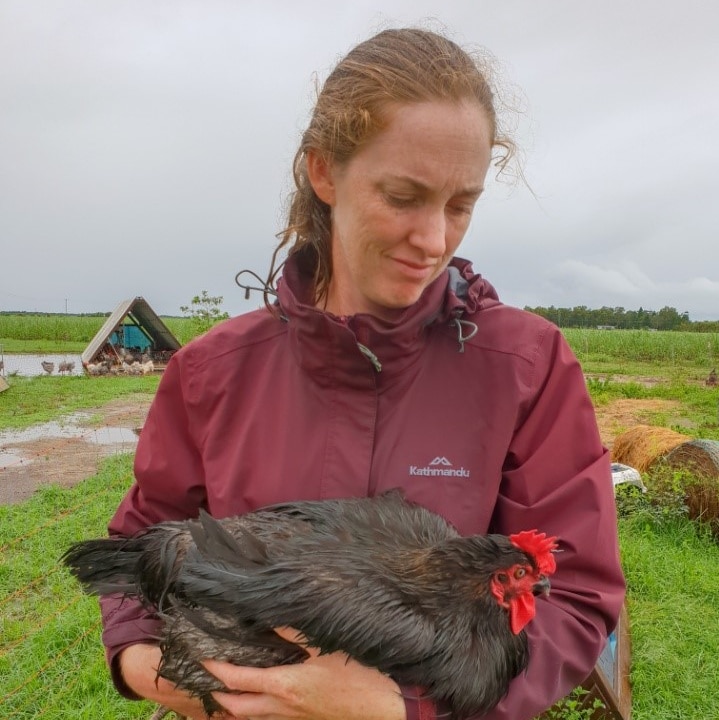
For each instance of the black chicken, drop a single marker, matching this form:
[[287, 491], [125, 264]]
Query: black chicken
[[390, 583]]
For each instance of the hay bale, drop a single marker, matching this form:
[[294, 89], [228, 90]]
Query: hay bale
[[643, 445], [700, 459]]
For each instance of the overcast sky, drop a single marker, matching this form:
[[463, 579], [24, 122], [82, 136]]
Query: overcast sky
[[145, 145]]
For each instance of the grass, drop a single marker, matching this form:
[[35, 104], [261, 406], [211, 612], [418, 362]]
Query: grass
[[40, 347], [695, 407], [51, 659], [44, 327], [633, 352], [39, 399], [42, 333], [672, 569], [641, 352], [51, 662], [52, 666]]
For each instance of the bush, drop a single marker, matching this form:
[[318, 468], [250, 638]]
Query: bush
[[657, 507]]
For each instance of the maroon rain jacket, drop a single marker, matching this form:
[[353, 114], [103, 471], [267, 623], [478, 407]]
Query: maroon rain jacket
[[478, 410]]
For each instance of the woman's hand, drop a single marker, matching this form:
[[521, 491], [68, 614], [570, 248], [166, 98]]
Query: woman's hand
[[324, 687], [138, 665]]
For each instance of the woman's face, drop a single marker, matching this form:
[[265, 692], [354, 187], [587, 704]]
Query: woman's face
[[402, 204]]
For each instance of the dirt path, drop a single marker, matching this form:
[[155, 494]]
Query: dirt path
[[68, 460]]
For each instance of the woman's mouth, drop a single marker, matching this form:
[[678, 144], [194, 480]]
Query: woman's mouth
[[414, 270]]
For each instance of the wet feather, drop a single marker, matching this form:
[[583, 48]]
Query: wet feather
[[384, 580]]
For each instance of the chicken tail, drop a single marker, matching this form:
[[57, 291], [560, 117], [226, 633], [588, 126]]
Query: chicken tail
[[104, 566], [145, 565]]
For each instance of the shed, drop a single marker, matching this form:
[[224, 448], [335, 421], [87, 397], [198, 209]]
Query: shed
[[132, 333]]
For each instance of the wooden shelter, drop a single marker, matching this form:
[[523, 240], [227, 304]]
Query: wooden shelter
[[133, 333]]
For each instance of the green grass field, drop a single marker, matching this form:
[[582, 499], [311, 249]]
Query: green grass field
[[40, 399], [672, 571], [52, 666], [51, 661], [637, 352], [31, 333], [610, 350]]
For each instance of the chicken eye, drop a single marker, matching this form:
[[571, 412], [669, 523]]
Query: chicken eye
[[519, 573]]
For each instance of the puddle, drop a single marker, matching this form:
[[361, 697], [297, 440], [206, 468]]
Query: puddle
[[68, 427], [119, 438], [8, 459], [31, 365], [111, 436]]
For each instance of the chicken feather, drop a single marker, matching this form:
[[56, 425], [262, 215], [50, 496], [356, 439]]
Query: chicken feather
[[385, 581]]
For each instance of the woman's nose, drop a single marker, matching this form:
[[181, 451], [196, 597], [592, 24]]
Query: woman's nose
[[430, 233]]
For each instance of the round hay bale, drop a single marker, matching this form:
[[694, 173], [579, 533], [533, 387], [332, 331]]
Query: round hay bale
[[642, 445], [700, 459]]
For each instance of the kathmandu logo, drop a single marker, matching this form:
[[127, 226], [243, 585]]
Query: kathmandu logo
[[439, 467]]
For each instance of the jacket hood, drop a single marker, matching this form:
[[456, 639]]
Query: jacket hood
[[329, 345], [457, 291], [467, 291]]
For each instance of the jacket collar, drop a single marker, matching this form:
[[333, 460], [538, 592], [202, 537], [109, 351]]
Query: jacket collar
[[360, 349]]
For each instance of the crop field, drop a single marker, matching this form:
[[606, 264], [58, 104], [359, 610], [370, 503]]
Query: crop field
[[35, 333], [611, 349], [660, 348], [63, 328]]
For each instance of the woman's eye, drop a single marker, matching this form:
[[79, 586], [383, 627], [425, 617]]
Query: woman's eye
[[400, 200], [461, 209]]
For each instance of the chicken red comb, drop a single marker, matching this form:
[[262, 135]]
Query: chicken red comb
[[539, 546]]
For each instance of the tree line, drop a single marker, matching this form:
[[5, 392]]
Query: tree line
[[668, 318]]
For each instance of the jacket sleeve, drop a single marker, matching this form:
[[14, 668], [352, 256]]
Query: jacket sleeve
[[557, 478], [169, 485]]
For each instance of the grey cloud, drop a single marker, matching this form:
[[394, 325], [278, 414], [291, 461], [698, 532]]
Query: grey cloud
[[147, 144]]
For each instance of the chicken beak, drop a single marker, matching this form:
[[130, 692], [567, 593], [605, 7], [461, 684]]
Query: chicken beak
[[542, 586]]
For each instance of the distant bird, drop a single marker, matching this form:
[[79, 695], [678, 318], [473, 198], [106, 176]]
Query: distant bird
[[48, 367], [388, 582], [711, 380], [99, 368], [66, 366]]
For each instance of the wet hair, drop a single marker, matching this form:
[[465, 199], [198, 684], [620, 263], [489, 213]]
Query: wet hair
[[395, 67]]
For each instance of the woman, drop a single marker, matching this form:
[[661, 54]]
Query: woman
[[385, 362]]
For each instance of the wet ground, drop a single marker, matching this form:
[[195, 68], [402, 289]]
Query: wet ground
[[67, 451], [124, 439], [31, 365]]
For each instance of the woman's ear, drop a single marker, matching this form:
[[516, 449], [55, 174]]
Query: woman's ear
[[319, 172]]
